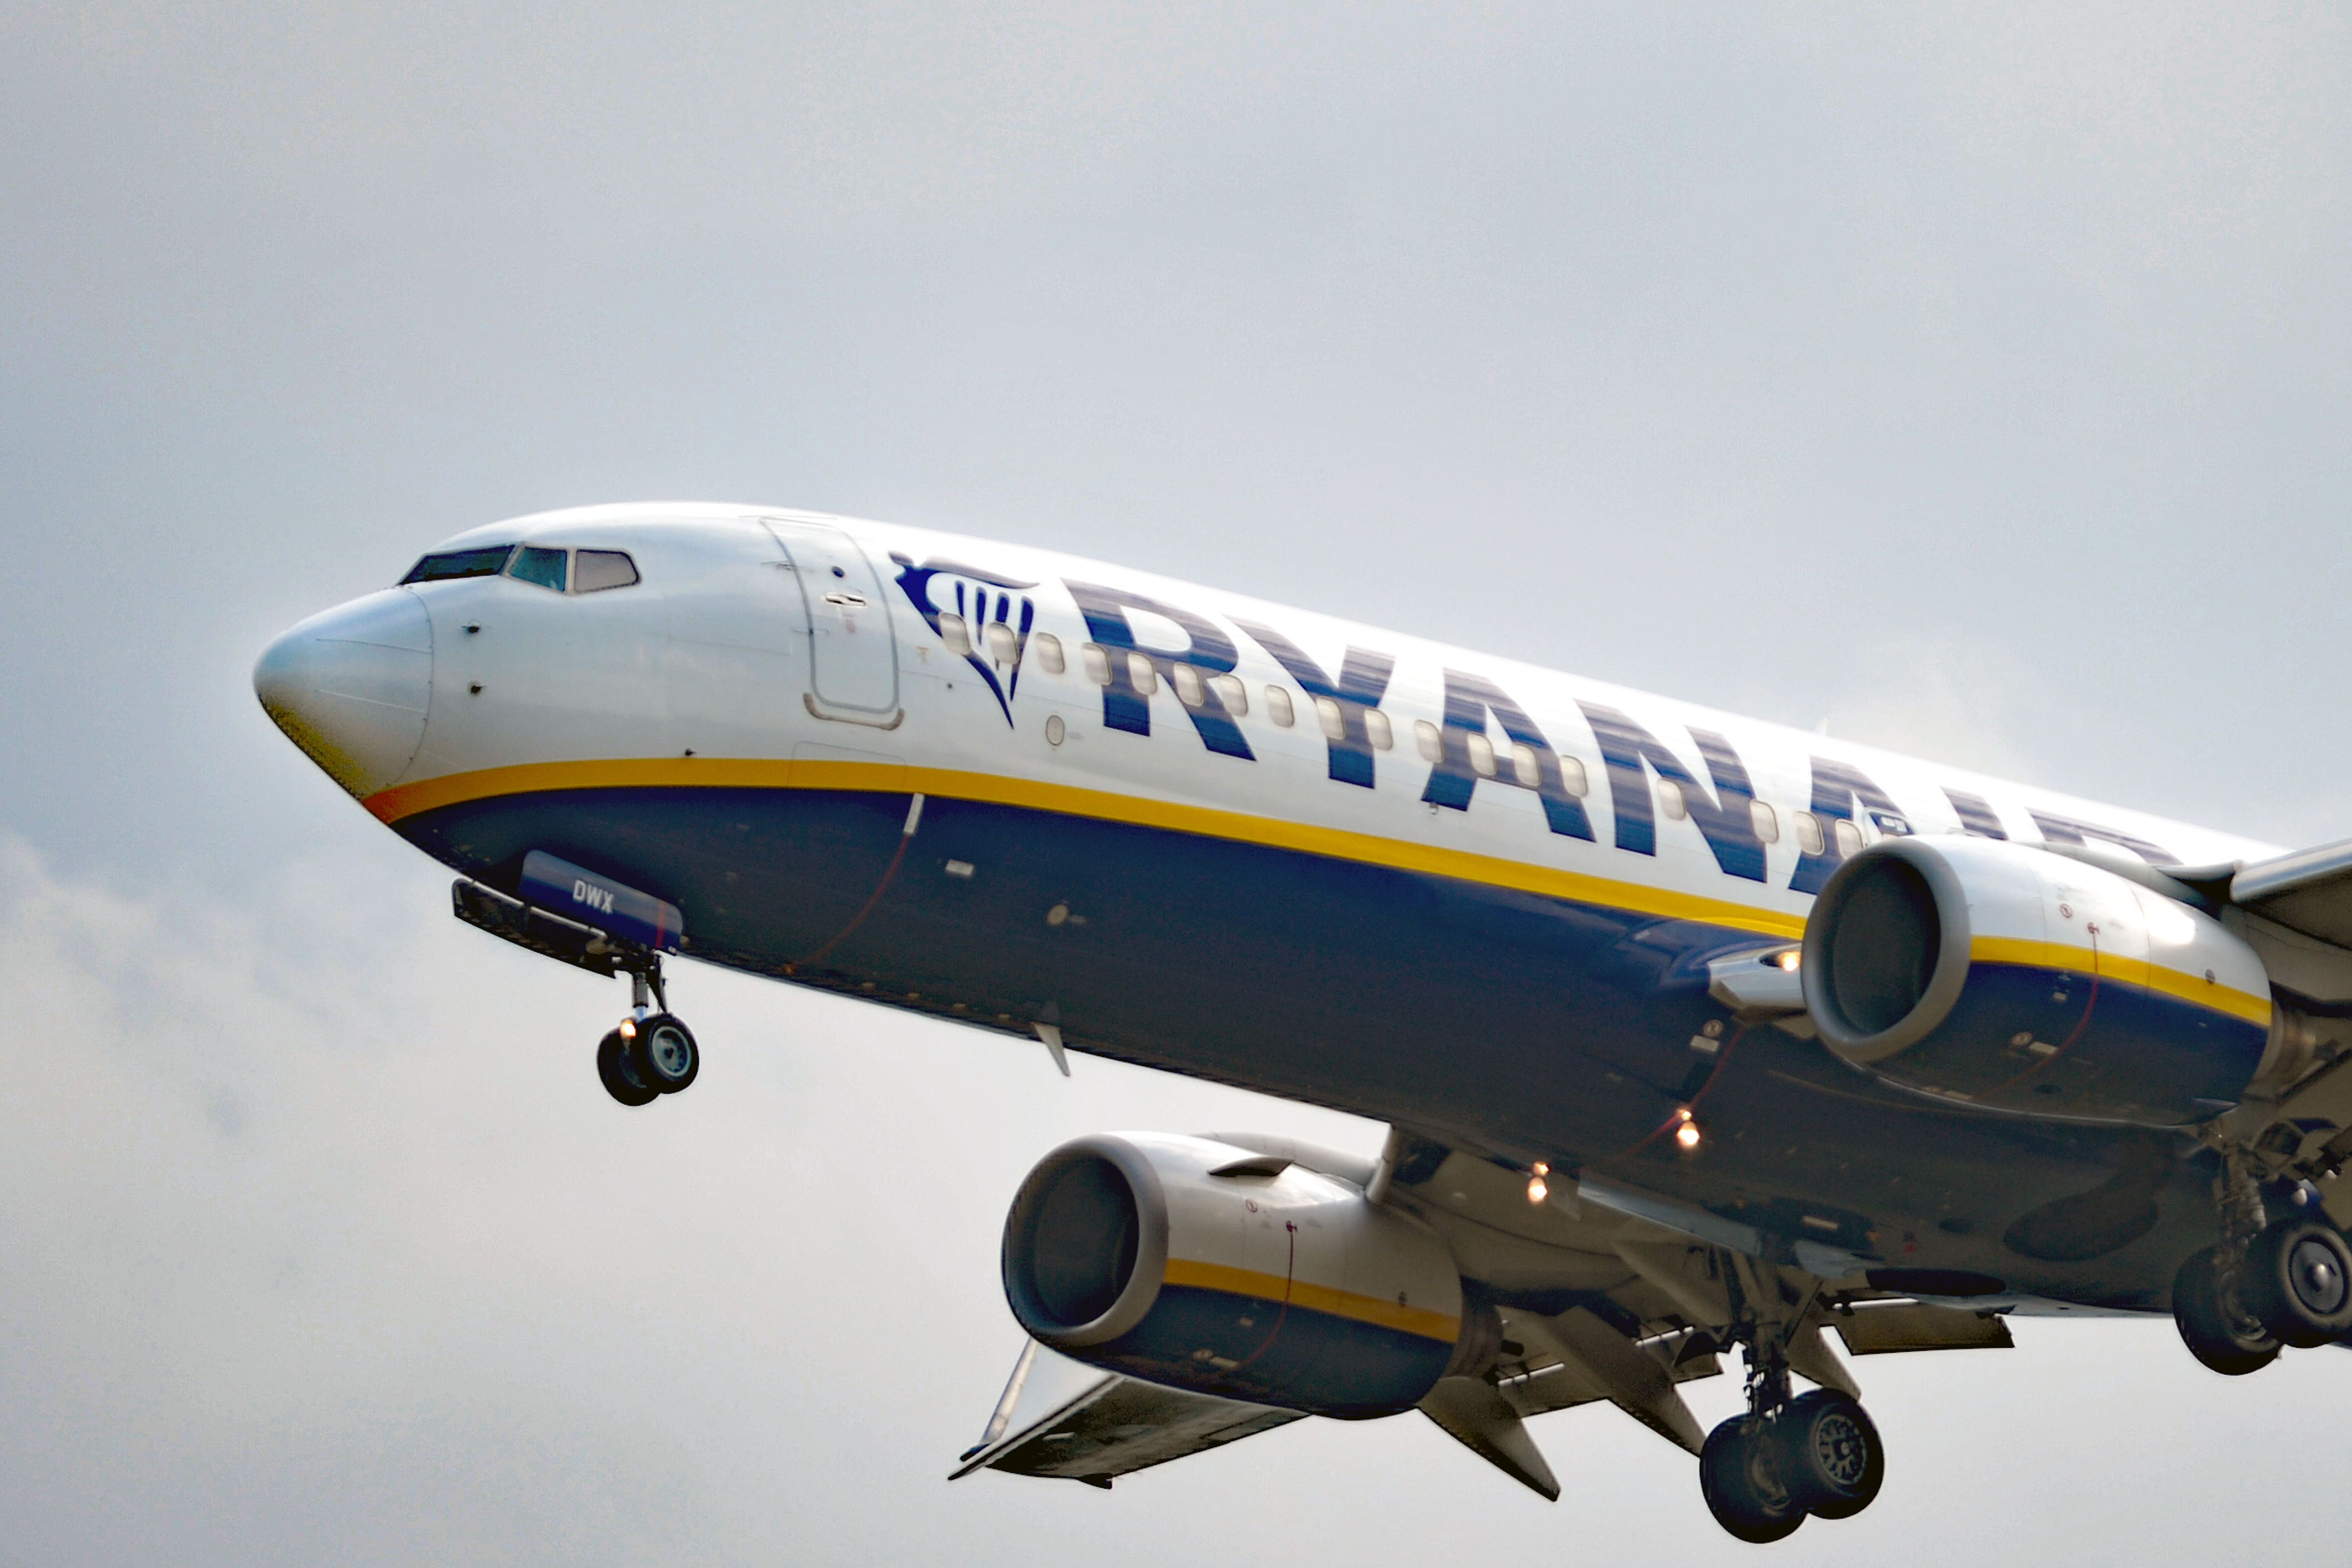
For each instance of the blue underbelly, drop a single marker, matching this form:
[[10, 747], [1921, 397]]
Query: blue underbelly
[[1525, 1026]]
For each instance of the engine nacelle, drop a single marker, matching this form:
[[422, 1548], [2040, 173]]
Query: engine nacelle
[[2002, 975], [1191, 1263]]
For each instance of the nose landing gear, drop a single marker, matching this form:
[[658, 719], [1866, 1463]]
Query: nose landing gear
[[651, 1053]]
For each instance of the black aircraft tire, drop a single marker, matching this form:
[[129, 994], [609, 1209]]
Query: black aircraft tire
[[2298, 1282], [621, 1079], [1829, 1454], [2216, 1333], [664, 1054], [1739, 1473]]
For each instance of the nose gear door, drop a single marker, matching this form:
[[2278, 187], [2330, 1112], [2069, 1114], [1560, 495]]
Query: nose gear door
[[853, 658]]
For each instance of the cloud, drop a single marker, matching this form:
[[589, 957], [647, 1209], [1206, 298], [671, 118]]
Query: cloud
[[1978, 378]]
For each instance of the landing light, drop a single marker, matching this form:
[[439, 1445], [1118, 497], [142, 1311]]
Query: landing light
[[1790, 959], [1687, 1135], [1536, 1189]]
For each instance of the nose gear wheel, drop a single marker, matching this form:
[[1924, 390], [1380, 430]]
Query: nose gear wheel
[[662, 1053], [619, 1074], [651, 1053]]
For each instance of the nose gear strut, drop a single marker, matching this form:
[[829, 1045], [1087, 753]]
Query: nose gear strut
[[649, 1053]]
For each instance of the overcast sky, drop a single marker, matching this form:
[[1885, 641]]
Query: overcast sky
[[1977, 384]]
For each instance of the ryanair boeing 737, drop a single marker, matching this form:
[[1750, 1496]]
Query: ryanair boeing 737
[[1692, 1034]]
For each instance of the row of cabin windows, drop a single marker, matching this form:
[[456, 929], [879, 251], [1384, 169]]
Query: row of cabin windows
[[1525, 762], [1192, 688]]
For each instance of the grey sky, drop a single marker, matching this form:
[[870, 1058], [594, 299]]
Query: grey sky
[[1979, 382]]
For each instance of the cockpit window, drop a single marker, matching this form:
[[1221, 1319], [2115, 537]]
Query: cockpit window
[[538, 564], [597, 568], [542, 565], [488, 561]]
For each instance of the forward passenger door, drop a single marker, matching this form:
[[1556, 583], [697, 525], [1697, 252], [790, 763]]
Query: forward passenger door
[[853, 659]]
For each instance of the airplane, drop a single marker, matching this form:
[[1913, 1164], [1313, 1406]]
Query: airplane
[[1692, 1034]]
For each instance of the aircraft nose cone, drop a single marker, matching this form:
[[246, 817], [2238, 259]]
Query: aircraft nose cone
[[350, 687]]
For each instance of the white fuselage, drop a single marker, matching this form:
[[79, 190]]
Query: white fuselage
[[706, 662]]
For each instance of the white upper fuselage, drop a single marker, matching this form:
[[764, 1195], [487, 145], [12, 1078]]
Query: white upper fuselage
[[704, 663]]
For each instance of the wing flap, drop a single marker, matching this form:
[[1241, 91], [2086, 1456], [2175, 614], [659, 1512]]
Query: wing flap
[[1917, 1325], [1129, 1426], [1093, 1426]]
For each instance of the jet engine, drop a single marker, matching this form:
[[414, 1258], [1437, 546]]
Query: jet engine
[[1191, 1263], [2003, 975]]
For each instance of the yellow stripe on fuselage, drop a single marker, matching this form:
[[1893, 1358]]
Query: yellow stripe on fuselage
[[1250, 1282], [2172, 983], [1337, 843], [1273, 832]]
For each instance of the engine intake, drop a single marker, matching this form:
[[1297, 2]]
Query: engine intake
[[1998, 974], [1192, 1262]]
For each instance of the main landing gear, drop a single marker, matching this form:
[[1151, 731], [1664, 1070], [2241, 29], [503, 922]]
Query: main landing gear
[[1817, 1453], [2265, 1285], [651, 1053]]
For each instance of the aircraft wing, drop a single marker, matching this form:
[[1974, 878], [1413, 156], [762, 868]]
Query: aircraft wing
[[2309, 891], [1061, 1418], [1608, 1294], [1602, 1296]]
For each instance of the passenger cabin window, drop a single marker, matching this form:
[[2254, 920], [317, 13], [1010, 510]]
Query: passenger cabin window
[[1526, 766], [1809, 833], [488, 561], [1848, 837], [1004, 644], [1376, 724], [1232, 693], [1142, 676], [1671, 803], [1431, 743], [1097, 660], [1328, 715], [1049, 652], [1571, 777], [1766, 821], [1277, 707], [955, 634], [1187, 682], [538, 564], [1482, 757], [594, 571]]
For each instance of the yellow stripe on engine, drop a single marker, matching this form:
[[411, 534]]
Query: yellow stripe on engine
[[2173, 983], [988, 789], [1250, 1282]]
